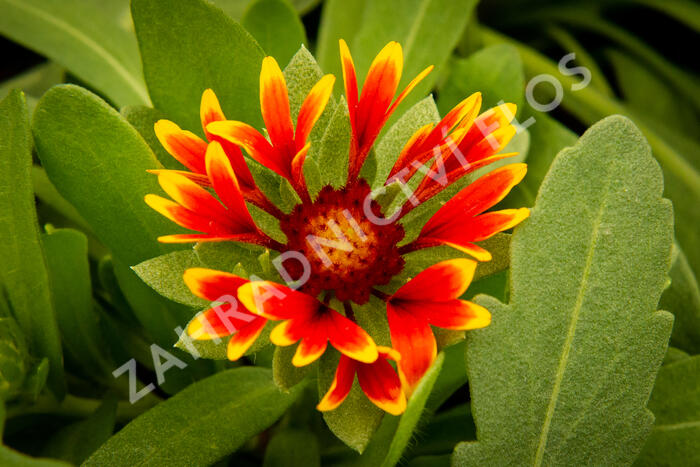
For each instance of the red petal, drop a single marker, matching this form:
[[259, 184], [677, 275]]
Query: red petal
[[382, 386], [276, 301], [350, 81], [476, 198], [176, 213], [184, 146], [226, 187], [312, 108], [288, 332], [220, 321], [274, 103], [251, 140], [341, 385], [210, 111], [192, 196], [349, 338], [443, 281], [244, 338], [459, 315], [412, 337], [312, 345], [211, 285]]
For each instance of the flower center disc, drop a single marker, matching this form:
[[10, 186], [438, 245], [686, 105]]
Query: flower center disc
[[347, 248]]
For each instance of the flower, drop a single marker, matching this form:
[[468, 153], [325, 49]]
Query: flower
[[340, 249]]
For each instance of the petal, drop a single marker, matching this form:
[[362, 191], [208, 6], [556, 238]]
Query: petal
[[274, 103], [194, 238], [220, 321], [199, 179], [476, 198], [210, 111], [412, 337], [312, 108], [341, 385], [176, 213], [311, 346], [288, 332], [184, 146], [276, 301], [244, 338], [382, 386], [459, 315], [466, 247], [441, 282], [210, 284], [249, 139], [350, 339], [192, 196], [407, 90], [226, 187], [377, 93], [298, 167], [486, 225], [350, 81]]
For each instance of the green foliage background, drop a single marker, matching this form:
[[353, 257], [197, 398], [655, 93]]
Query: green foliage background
[[593, 353]]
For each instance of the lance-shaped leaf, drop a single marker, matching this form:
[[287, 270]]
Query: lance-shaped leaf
[[563, 373], [675, 439], [200, 425], [188, 46], [23, 276]]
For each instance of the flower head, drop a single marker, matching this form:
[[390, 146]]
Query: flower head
[[340, 248]]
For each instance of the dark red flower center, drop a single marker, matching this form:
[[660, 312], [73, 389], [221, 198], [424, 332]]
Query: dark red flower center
[[347, 242]]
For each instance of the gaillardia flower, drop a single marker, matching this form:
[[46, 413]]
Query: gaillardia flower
[[341, 249]]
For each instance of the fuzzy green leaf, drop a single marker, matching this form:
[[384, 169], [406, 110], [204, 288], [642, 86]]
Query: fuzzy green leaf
[[393, 437], [389, 147], [69, 272], [285, 374], [143, 118], [164, 275], [496, 72], [356, 419], [682, 298], [292, 448], [563, 373], [369, 26], [188, 46], [75, 442], [276, 27], [23, 277], [675, 439], [85, 38], [331, 152], [200, 425]]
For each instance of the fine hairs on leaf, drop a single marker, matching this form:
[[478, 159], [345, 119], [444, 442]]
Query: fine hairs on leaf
[[563, 373]]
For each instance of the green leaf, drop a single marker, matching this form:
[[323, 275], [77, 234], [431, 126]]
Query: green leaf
[[331, 152], [285, 374], [496, 72], [75, 442], [225, 256], [83, 37], [292, 448], [23, 275], [673, 355], [390, 145], [392, 438], [369, 26], [164, 275], [14, 358], [276, 27], [356, 419], [452, 377], [143, 118], [188, 46], [200, 425], [675, 438], [69, 272], [98, 162], [575, 353], [444, 431], [34, 82], [682, 298]]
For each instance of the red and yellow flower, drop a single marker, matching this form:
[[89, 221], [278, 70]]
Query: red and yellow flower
[[349, 251]]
